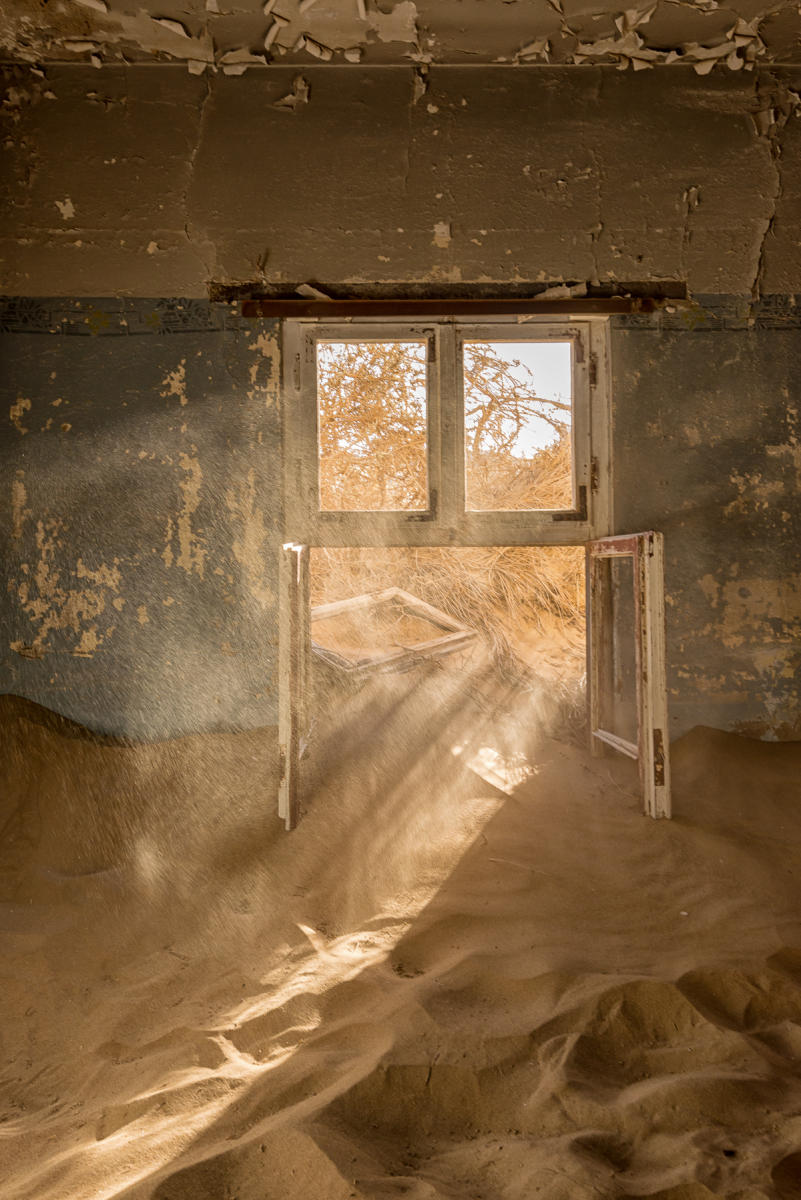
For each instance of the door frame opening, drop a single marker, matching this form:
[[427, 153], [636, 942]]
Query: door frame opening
[[446, 521]]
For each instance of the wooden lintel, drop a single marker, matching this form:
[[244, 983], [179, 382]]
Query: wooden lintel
[[338, 309]]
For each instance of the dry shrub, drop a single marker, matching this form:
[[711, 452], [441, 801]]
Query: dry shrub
[[372, 425], [498, 590], [499, 480], [370, 400]]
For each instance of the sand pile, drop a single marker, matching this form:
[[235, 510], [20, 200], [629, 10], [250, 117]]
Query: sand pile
[[429, 989]]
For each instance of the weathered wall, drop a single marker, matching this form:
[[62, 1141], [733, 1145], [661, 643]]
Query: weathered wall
[[151, 182], [707, 420], [140, 502]]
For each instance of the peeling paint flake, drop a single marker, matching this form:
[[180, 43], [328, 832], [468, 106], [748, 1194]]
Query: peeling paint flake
[[267, 350], [173, 26], [442, 235], [183, 545], [90, 641], [19, 499], [17, 411], [174, 383], [236, 62], [296, 98], [751, 606], [251, 541], [66, 208], [102, 576], [397, 25], [57, 599], [278, 24]]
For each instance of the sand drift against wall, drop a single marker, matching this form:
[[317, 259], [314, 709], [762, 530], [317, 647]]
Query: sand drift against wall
[[429, 989]]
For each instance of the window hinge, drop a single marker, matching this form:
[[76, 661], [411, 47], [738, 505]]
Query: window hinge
[[593, 369], [296, 372], [594, 474]]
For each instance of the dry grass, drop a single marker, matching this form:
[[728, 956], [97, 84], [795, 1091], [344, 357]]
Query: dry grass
[[501, 591]]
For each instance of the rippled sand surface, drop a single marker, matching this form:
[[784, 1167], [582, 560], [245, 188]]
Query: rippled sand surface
[[430, 989]]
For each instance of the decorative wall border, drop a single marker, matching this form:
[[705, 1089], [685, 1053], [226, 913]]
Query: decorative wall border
[[713, 313], [111, 317], [115, 317]]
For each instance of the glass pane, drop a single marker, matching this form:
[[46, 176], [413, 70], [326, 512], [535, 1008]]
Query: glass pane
[[518, 425], [618, 691], [371, 401]]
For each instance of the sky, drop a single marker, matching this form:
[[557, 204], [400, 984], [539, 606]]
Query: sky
[[550, 366]]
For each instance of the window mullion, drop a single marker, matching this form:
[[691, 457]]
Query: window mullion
[[451, 407], [434, 423]]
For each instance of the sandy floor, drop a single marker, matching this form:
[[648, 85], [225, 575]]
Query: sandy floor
[[430, 989]]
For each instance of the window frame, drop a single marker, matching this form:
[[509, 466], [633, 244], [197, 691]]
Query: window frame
[[651, 750], [446, 520]]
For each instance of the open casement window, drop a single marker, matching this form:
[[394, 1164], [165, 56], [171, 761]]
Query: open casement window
[[626, 632], [346, 483]]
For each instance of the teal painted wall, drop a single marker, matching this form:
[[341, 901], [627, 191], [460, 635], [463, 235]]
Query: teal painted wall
[[140, 455]]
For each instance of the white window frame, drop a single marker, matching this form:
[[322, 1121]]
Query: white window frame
[[446, 521], [651, 749]]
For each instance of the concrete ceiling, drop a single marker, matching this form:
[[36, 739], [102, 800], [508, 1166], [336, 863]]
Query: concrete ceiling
[[236, 35]]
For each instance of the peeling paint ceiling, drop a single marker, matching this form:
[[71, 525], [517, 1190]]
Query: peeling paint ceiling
[[234, 35]]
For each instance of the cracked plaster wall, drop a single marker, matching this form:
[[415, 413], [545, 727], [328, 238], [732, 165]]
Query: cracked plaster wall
[[707, 420], [147, 181], [140, 500]]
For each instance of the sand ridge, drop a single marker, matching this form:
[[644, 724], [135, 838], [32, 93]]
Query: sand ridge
[[430, 989]]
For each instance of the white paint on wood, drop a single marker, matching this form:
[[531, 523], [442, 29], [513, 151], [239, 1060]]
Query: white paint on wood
[[294, 649], [446, 520], [651, 750]]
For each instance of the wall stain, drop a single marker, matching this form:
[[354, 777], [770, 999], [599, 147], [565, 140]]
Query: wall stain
[[265, 390], [19, 498], [755, 493], [174, 383], [183, 545], [746, 606], [250, 544], [17, 411], [53, 600]]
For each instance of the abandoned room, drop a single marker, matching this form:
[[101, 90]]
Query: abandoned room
[[400, 713]]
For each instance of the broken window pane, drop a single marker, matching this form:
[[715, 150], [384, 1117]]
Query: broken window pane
[[371, 399], [518, 425]]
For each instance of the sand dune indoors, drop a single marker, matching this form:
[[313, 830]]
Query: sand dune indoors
[[429, 989]]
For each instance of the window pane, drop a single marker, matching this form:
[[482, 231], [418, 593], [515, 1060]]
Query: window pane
[[518, 425], [371, 399], [618, 694]]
